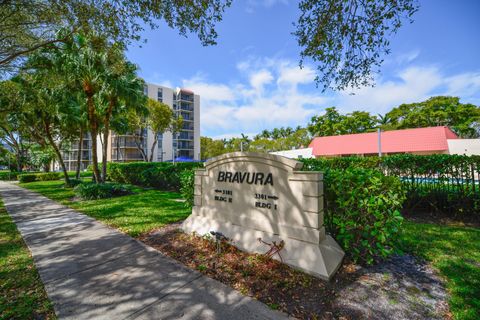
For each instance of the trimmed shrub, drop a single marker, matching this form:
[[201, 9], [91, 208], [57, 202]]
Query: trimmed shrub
[[362, 206], [48, 176], [8, 175], [341, 163], [27, 177], [436, 184], [187, 188], [83, 174], [159, 175], [91, 191], [363, 212]]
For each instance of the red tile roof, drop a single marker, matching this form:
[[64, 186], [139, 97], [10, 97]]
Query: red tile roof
[[186, 90], [407, 140]]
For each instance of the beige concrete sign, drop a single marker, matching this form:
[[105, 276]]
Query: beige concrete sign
[[258, 199]]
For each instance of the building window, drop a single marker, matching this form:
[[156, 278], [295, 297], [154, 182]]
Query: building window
[[160, 95], [145, 90]]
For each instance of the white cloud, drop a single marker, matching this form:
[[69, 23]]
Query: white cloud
[[412, 84], [407, 57], [271, 92], [158, 79], [259, 79], [293, 75], [209, 91], [266, 96], [464, 85], [251, 5]]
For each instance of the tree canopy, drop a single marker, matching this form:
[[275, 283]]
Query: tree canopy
[[348, 39], [29, 25], [462, 118], [332, 123]]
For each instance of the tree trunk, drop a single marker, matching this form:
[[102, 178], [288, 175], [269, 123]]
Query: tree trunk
[[104, 153], [155, 140], [93, 132], [139, 147], [96, 171], [79, 155], [19, 160], [106, 132], [57, 152]]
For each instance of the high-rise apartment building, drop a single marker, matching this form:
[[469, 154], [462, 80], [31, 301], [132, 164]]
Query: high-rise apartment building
[[183, 145]]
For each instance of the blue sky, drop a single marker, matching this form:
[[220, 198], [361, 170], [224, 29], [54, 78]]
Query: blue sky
[[250, 80]]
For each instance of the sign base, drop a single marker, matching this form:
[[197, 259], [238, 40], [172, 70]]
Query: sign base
[[321, 260]]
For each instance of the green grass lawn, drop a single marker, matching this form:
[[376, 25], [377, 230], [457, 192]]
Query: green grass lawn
[[22, 295], [133, 214], [455, 252]]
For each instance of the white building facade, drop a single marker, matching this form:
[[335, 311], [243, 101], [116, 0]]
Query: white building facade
[[186, 143], [303, 153], [181, 146]]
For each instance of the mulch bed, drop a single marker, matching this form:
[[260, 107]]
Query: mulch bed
[[400, 288]]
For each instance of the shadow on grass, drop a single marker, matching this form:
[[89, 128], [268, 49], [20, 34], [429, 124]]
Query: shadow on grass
[[133, 214], [137, 213]]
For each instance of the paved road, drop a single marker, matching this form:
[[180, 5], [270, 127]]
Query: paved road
[[91, 271]]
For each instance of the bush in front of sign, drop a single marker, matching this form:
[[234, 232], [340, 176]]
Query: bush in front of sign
[[363, 212], [187, 186]]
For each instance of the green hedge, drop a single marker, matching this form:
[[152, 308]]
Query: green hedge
[[159, 175], [48, 176], [83, 174], [27, 177], [362, 208], [42, 176], [187, 186], [435, 184], [8, 176], [363, 212]]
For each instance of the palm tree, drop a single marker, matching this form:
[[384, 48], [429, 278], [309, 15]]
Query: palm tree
[[82, 62], [122, 90], [107, 81], [383, 120], [265, 134]]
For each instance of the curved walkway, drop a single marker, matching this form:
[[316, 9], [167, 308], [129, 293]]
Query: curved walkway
[[91, 271]]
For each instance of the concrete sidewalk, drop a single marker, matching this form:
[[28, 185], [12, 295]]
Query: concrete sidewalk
[[91, 271]]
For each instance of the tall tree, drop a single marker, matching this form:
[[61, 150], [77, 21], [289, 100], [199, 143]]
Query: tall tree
[[210, 148], [333, 123], [462, 118], [160, 119], [122, 91], [11, 120], [328, 124], [49, 114], [348, 39]]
